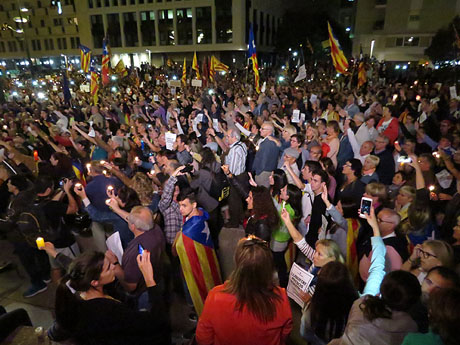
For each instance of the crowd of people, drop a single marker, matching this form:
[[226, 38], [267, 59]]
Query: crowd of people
[[295, 165]]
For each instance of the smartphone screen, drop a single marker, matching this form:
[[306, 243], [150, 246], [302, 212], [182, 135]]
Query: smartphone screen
[[141, 249], [366, 205]]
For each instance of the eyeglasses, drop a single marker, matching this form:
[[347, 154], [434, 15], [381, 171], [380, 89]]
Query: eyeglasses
[[425, 254]]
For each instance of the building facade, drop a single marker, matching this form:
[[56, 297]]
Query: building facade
[[400, 30], [137, 30]]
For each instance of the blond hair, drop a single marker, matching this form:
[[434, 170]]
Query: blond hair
[[332, 250]]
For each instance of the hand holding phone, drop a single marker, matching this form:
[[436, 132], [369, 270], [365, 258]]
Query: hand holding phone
[[366, 205], [141, 249]]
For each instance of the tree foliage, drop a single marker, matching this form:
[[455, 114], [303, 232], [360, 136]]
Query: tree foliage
[[300, 24], [443, 43]]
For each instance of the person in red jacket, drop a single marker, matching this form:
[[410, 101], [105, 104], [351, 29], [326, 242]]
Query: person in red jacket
[[389, 125], [249, 308]]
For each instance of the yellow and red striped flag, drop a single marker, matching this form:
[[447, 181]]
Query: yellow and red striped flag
[[121, 69], [184, 72], [195, 66], [339, 60], [362, 78], [85, 58], [94, 86], [212, 70], [352, 254], [252, 54], [219, 66], [105, 63], [198, 259]]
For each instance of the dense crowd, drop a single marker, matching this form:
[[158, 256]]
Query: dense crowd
[[360, 187]]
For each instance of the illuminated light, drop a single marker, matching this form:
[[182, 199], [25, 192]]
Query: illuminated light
[[348, 29], [431, 188], [19, 31], [34, 83], [72, 82], [114, 77], [211, 91], [20, 20], [404, 67], [294, 54], [283, 67], [113, 89], [174, 77], [289, 49], [41, 95], [223, 72], [24, 9], [372, 47], [337, 75], [43, 83], [88, 76], [14, 93], [51, 62], [281, 78], [397, 67]]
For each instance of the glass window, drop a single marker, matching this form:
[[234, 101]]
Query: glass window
[[166, 27], [184, 26], [97, 30], [130, 29], [113, 29], [224, 28], [148, 28], [411, 41], [203, 25], [51, 42], [399, 41]]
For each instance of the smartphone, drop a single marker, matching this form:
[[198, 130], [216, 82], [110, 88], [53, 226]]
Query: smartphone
[[187, 169], [366, 204], [62, 182], [141, 249], [404, 159]]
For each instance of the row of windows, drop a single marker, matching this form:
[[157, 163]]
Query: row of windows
[[109, 3], [264, 28], [164, 19], [40, 44], [39, 4]]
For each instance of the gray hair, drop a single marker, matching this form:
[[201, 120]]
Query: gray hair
[[141, 217], [234, 133]]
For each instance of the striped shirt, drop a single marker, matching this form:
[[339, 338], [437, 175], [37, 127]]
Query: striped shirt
[[309, 253], [236, 158], [170, 211]]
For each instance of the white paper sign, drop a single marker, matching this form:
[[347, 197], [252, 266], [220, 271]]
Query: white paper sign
[[453, 92], [170, 139], [199, 117], [299, 280], [215, 125], [302, 117], [313, 98], [264, 86], [295, 116], [444, 178], [114, 245], [197, 82], [175, 83], [84, 87], [173, 91]]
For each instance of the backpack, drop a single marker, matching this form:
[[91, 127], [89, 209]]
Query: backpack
[[33, 223], [220, 187]]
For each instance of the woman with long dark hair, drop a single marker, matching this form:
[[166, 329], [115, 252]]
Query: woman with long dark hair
[[263, 217], [278, 180], [382, 320], [87, 315], [249, 308]]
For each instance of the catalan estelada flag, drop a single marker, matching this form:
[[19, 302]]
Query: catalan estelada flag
[[362, 78], [352, 254], [252, 54], [94, 86], [184, 72], [198, 259], [105, 63], [339, 60], [85, 58], [79, 172], [195, 66]]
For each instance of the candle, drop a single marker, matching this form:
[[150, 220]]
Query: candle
[[88, 166], [40, 242], [36, 155], [79, 186], [431, 188], [107, 202]]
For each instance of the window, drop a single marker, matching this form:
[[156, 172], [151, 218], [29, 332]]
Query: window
[[98, 3], [97, 30], [123, 2], [42, 23], [57, 21], [107, 3], [51, 43], [166, 27], [408, 41], [113, 29], [262, 28], [47, 47], [414, 18], [130, 29], [133, 2], [72, 43], [115, 2], [36, 45], [90, 4], [184, 25], [148, 28], [224, 28], [2, 47], [203, 25]]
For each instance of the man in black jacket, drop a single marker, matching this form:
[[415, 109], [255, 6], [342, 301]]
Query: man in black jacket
[[386, 167]]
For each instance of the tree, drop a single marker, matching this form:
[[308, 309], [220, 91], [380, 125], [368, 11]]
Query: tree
[[443, 43], [301, 23]]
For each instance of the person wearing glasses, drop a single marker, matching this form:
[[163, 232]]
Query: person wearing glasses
[[266, 157], [396, 246], [249, 308], [431, 253]]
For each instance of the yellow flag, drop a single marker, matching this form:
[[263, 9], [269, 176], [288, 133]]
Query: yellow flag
[[184, 72], [195, 66]]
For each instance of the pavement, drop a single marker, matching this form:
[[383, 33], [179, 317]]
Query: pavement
[[40, 308]]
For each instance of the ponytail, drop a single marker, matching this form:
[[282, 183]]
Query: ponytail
[[375, 308], [66, 305]]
